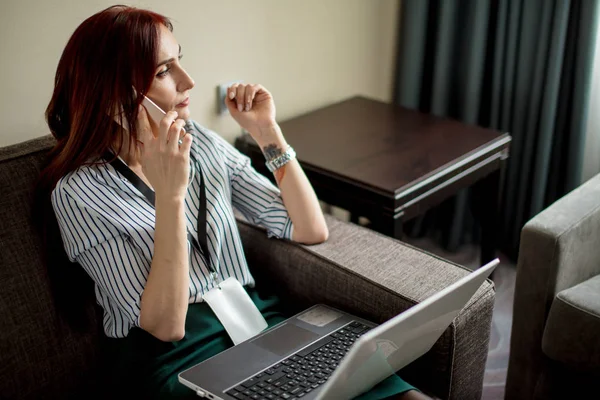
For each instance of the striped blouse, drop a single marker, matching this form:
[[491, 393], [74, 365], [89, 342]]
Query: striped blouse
[[107, 225]]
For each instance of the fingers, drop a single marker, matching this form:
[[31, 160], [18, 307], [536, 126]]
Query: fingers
[[165, 126], [174, 134], [241, 96], [187, 143], [251, 92]]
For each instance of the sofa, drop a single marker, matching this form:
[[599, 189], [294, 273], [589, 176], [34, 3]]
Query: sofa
[[555, 339], [46, 354]]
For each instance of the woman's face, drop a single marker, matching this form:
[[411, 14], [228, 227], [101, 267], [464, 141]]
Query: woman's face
[[171, 85]]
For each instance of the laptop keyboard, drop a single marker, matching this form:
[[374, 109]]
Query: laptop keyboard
[[302, 372]]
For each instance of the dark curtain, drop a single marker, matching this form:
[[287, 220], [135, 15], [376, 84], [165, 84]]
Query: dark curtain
[[519, 66]]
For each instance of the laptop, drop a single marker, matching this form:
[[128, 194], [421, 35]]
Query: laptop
[[325, 353]]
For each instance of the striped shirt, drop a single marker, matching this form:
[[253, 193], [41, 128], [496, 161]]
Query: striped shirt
[[107, 225]]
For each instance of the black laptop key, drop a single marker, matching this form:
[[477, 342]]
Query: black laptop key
[[316, 345], [261, 384], [295, 390], [263, 392], [285, 396], [295, 358], [286, 362], [255, 396], [312, 379], [270, 371], [305, 384], [301, 394], [240, 396], [256, 388], [249, 382], [275, 377], [270, 396]]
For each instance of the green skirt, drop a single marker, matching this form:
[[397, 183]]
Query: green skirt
[[146, 367]]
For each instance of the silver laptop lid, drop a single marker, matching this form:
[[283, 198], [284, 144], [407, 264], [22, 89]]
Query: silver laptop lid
[[401, 340]]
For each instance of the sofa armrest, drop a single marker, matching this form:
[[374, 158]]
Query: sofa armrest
[[559, 249], [377, 277]]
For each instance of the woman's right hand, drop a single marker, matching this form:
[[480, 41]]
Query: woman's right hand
[[165, 163]]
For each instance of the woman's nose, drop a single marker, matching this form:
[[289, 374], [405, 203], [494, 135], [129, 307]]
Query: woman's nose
[[186, 82]]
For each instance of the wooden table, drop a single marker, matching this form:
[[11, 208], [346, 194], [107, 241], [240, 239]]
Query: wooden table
[[390, 164]]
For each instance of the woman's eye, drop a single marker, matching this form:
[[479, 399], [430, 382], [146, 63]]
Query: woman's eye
[[163, 72]]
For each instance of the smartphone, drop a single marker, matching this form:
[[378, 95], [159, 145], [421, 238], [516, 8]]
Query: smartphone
[[154, 111]]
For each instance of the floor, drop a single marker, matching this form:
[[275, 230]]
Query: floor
[[504, 279]]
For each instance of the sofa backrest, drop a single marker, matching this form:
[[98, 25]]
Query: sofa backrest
[[41, 355]]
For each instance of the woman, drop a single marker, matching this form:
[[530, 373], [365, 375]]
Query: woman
[[128, 197]]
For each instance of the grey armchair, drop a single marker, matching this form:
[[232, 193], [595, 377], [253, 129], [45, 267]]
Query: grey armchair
[[555, 341], [358, 270]]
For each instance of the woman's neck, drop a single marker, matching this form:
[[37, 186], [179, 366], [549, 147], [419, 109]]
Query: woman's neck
[[128, 153]]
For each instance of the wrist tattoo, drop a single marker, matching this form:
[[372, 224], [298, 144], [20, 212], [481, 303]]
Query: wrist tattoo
[[272, 151]]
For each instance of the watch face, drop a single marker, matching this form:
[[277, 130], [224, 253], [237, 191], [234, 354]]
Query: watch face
[[281, 160]]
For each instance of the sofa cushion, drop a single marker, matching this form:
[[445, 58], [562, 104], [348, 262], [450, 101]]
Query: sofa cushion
[[573, 326], [42, 356]]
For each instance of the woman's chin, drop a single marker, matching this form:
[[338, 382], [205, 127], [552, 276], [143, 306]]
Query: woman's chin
[[183, 113]]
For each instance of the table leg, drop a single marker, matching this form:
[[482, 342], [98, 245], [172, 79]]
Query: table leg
[[487, 209], [390, 226]]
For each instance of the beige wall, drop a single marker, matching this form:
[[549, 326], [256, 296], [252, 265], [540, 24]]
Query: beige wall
[[308, 53]]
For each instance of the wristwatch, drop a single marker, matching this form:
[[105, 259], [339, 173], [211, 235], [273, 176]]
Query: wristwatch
[[282, 159]]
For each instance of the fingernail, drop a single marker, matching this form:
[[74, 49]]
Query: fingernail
[[248, 107], [231, 95], [139, 108], [240, 108]]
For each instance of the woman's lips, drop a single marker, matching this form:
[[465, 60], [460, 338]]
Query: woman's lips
[[184, 103]]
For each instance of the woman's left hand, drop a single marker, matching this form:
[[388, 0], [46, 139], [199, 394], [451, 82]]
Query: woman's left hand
[[251, 106]]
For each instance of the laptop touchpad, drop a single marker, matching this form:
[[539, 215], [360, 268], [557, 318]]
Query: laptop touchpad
[[285, 339]]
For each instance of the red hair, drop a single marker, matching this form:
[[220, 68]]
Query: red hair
[[108, 55]]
